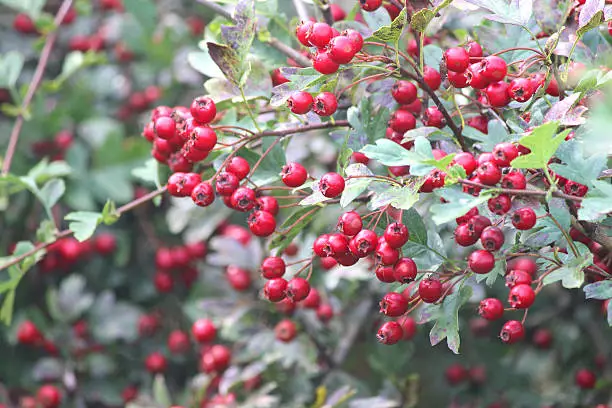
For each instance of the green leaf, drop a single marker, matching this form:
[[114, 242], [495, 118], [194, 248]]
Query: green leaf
[[145, 13], [46, 231], [571, 274], [11, 64], [227, 60], [44, 170], [597, 202], [161, 395], [301, 218], [51, 192], [109, 213], [392, 32], [591, 16], [447, 325], [421, 19], [149, 173], [599, 290], [32, 7], [497, 133], [457, 204], [577, 167], [83, 223], [491, 277], [517, 12], [389, 153], [357, 185], [543, 142], [377, 19], [6, 312], [413, 220], [400, 197]]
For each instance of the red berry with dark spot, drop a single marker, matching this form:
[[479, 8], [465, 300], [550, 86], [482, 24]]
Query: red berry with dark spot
[[481, 261], [497, 94], [203, 109], [402, 121], [404, 92], [293, 174], [356, 39], [524, 218], [435, 179], [300, 102], [405, 270], [350, 223], [364, 243], [325, 104], [521, 89], [456, 59], [393, 304], [396, 235], [297, 289], [203, 194], [575, 189], [321, 246], [488, 173], [518, 277], [432, 78], [491, 309], [331, 185], [203, 330], [390, 333], [434, 117], [243, 199], [521, 296], [475, 78], [464, 236], [226, 183], [261, 223], [492, 238], [430, 290], [514, 180], [273, 267], [274, 289], [499, 205], [512, 332], [285, 330], [322, 62], [504, 153]]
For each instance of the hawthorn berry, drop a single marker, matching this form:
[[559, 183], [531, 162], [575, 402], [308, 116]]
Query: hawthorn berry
[[479, 123], [390, 333], [432, 78], [364, 243], [385, 273], [155, 363], [499, 205], [488, 173], [321, 246], [297, 289], [319, 34], [49, 396], [518, 277], [497, 94], [325, 312], [456, 59], [393, 304], [312, 300], [325, 104], [301, 32], [243, 199], [524, 264], [512, 332], [404, 92], [492, 238], [524, 218], [273, 267], [285, 330], [267, 203], [458, 79], [475, 51], [478, 223], [575, 189], [475, 77], [203, 109], [514, 180], [331, 185], [28, 333], [164, 127], [322, 62], [396, 235], [370, 5], [435, 179], [405, 270], [349, 223], [585, 379], [402, 121], [521, 89], [178, 342], [481, 261], [261, 223], [386, 254], [434, 117], [300, 102], [238, 166], [238, 278], [430, 290], [293, 174], [203, 194], [274, 289], [466, 217], [163, 281], [203, 330], [226, 183], [341, 49], [467, 161], [455, 374], [521, 296], [278, 78], [553, 88], [464, 236], [494, 68], [356, 39], [491, 309]]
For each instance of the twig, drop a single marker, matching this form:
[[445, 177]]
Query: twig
[[326, 11], [511, 191], [34, 84], [318, 126]]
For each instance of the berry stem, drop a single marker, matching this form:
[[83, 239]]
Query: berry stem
[[34, 84], [510, 191]]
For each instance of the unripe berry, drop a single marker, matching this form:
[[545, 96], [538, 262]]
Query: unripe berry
[[491, 309], [390, 333], [481, 261], [524, 218], [393, 304], [512, 332], [521, 296]]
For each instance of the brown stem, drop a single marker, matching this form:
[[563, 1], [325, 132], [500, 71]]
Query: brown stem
[[301, 129], [34, 84], [515, 192]]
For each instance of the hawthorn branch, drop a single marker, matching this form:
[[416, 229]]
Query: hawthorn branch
[[516, 192], [326, 11], [66, 233], [302, 129], [34, 84]]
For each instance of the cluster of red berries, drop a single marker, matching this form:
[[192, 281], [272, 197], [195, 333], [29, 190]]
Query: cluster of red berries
[[332, 47], [177, 262], [65, 252], [24, 24], [56, 148]]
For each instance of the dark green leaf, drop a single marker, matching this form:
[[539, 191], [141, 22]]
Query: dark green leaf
[[599, 290], [391, 33], [457, 204], [597, 202], [145, 13], [447, 325], [285, 237], [413, 220], [577, 167]]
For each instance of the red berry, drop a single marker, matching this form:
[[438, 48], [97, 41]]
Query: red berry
[[203, 194], [521, 89], [456, 59], [390, 333], [467, 216], [164, 127], [163, 281], [497, 94], [221, 356], [393, 304], [325, 104], [48, 396], [492, 238], [504, 153], [286, 306], [273, 267], [285, 330], [148, 324], [432, 78], [226, 183], [386, 254], [396, 235], [238, 278], [435, 179], [467, 161], [301, 32], [494, 68], [430, 290], [203, 331], [481, 261], [24, 24], [178, 342], [585, 379], [475, 51], [402, 121], [300, 102], [518, 277], [331, 185], [491, 309], [404, 92], [464, 236], [349, 223], [278, 78], [575, 189], [524, 218], [267, 203], [521, 296], [405, 270], [338, 245], [479, 123], [321, 246], [155, 363], [105, 243], [514, 180], [293, 174], [512, 332], [261, 223], [499, 205], [341, 49], [322, 62], [385, 273], [297, 289], [488, 173], [455, 374], [313, 300], [356, 39], [274, 289], [28, 333], [203, 109], [542, 338], [553, 88], [238, 166], [525, 264], [243, 199], [319, 34], [337, 12], [434, 117], [364, 243], [458, 79], [370, 5], [475, 78], [325, 312], [409, 327]]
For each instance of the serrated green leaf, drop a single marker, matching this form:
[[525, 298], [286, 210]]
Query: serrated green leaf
[[599, 290], [421, 19], [576, 166], [51, 192], [356, 185], [571, 274], [285, 237], [109, 213], [392, 32], [597, 202], [457, 204], [148, 173], [543, 142], [400, 197], [389, 153], [447, 324], [83, 223]]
